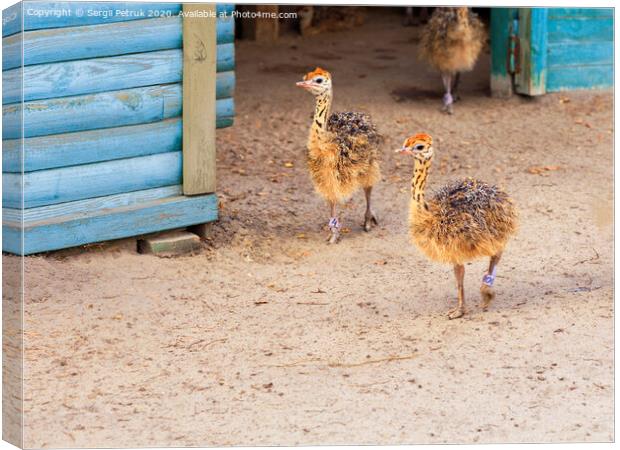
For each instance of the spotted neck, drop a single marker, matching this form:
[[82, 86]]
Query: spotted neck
[[321, 112], [418, 182]]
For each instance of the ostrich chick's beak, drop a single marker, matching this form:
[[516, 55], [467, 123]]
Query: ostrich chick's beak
[[403, 151], [304, 84]]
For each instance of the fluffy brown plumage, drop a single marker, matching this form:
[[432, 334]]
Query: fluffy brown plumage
[[452, 39], [345, 157], [462, 221], [342, 150], [465, 220], [451, 43]]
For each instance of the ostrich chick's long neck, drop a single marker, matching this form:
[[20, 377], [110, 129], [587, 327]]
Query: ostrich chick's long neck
[[418, 183], [321, 112]]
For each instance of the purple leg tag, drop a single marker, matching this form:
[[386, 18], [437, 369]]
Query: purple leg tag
[[447, 99], [488, 279], [334, 224]]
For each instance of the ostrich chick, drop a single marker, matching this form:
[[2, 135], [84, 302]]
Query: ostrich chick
[[451, 43], [342, 151], [464, 220]]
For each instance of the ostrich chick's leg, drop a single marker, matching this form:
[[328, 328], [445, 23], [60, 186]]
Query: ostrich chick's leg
[[369, 217], [459, 273], [334, 224], [455, 87], [447, 97], [487, 293]]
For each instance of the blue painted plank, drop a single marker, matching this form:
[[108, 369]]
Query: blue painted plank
[[580, 54], [556, 13], [106, 224], [42, 15], [82, 208], [66, 44], [102, 110], [87, 147], [48, 187], [225, 57], [585, 77], [94, 111], [113, 73], [583, 30]]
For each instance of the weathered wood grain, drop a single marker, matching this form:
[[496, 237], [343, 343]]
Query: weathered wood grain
[[561, 78], [47, 187], [557, 13], [102, 110], [580, 53], [69, 78], [531, 78], [582, 30], [66, 44], [103, 224], [199, 109], [87, 147], [57, 212], [94, 111]]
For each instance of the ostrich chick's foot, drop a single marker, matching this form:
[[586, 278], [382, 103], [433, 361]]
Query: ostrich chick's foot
[[369, 220], [457, 312], [487, 294], [334, 227], [447, 103]]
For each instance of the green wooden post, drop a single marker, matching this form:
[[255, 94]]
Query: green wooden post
[[531, 79], [502, 20]]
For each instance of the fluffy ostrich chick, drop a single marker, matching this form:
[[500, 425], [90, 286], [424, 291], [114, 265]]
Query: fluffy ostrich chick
[[451, 43], [342, 151], [464, 220]]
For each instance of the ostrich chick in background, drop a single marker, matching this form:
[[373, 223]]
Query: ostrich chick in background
[[451, 43], [342, 151], [464, 220]]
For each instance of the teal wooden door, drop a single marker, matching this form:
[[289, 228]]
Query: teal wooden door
[[539, 50]]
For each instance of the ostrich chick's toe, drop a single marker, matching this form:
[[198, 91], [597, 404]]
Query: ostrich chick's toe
[[370, 220], [457, 312], [333, 237], [487, 294]]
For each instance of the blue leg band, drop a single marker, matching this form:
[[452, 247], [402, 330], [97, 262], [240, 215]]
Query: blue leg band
[[334, 224], [488, 279]]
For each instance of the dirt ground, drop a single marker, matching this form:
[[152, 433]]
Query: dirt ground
[[270, 336]]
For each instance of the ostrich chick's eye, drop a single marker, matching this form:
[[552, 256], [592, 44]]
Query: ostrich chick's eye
[[419, 147], [319, 80]]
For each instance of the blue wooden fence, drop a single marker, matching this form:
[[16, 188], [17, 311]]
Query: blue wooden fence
[[92, 129]]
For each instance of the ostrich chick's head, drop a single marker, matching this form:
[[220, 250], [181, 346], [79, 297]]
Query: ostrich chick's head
[[317, 82], [419, 145]]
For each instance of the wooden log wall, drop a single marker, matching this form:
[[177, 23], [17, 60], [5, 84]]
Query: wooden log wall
[[98, 121]]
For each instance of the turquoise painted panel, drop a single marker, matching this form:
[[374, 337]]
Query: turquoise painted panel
[[103, 110], [138, 36], [105, 224], [60, 211], [225, 57], [558, 13], [87, 147], [48, 187], [580, 54], [583, 77], [88, 112], [593, 29], [113, 73], [42, 15]]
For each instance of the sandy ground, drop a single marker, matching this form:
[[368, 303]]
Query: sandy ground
[[269, 336]]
